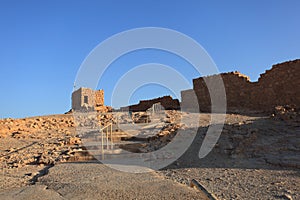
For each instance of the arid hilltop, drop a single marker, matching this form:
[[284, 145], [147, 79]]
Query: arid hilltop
[[256, 156]]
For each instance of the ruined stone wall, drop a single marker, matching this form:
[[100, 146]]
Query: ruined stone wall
[[189, 102], [277, 86], [236, 87], [76, 100], [99, 95], [167, 102], [99, 101]]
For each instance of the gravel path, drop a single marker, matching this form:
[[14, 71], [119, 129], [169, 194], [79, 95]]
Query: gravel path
[[96, 181], [229, 183]]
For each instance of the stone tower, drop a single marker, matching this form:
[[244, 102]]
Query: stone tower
[[87, 99]]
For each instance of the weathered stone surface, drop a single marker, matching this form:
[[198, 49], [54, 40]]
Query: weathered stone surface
[[288, 113], [167, 102], [86, 99], [277, 86]]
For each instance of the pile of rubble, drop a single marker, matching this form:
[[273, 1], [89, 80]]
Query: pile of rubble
[[173, 116], [93, 120], [35, 141], [44, 140], [171, 124], [287, 113], [165, 135], [22, 128], [141, 117], [39, 153], [30, 145]]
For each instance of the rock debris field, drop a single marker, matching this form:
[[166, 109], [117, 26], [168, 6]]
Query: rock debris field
[[256, 157]]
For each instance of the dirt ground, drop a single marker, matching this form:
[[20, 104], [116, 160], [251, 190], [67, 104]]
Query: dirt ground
[[256, 157]]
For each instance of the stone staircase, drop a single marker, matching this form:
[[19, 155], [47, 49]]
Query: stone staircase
[[91, 148]]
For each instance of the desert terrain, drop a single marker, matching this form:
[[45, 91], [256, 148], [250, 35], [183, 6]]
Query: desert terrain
[[256, 157]]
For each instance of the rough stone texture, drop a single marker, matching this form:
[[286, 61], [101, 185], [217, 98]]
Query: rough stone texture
[[95, 100], [256, 157], [167, 102], [99, 97], [78, 96], [277, 86], [41, 140], [29, 145], [287, 113]]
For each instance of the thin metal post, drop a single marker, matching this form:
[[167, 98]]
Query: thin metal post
[[111, 137], [107, 146], [102, 152], [117, 120]]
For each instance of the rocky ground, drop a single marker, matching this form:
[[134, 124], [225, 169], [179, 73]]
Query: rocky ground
[[29, 145], [256, 157]]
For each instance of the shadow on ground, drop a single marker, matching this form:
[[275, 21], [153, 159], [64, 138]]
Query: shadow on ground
[[262, 144]]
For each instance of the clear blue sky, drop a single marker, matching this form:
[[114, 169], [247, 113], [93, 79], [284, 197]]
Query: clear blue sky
[[43, 43]]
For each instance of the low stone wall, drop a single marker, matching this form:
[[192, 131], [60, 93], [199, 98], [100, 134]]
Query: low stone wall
[[167, 102]]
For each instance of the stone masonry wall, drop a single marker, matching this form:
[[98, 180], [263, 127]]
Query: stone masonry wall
[[95, 99], [99, 98], [167, 102], [189, 101], [76, 100], [277, 86]]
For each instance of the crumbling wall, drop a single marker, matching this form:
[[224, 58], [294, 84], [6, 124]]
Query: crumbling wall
[[237, 87], [99, 98], [99, 102], [167, 102], [277, 86]]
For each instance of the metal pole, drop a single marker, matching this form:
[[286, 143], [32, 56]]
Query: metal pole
[[111, 138], [102, 152], [118, 122], [107, 146]]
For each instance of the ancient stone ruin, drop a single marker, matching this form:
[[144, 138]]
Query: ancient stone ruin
[[88, 100], [167, 102], [277, 86]]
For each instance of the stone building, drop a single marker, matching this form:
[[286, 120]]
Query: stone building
[[88, 99]]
